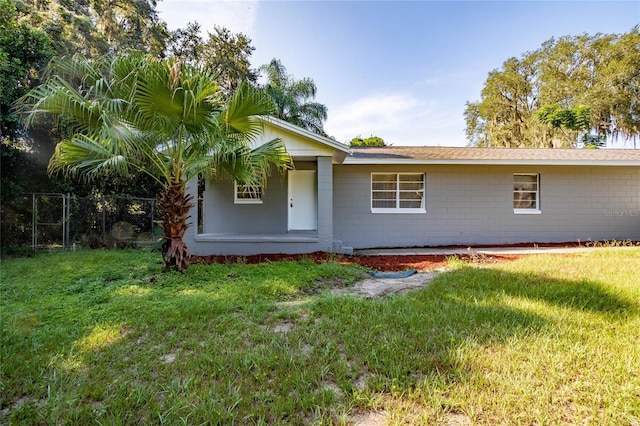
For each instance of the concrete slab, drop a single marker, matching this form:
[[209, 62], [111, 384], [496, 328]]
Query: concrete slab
[[496, 251]]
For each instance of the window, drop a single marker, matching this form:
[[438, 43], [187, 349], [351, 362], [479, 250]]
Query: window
[[397, 193], [247, 194], [526, 193]]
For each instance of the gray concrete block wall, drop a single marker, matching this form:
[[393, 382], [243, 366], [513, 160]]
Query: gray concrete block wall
[[474, 205], [260, 221], [223, 216]]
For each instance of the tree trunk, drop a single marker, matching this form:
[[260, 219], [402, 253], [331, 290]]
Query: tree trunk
[[175, 204]]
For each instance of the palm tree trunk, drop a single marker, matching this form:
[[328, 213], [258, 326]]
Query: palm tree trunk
[[175, 204]]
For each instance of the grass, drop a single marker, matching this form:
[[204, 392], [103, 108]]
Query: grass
[[103, 337]]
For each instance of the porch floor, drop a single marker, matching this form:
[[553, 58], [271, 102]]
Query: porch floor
[[287, 237]]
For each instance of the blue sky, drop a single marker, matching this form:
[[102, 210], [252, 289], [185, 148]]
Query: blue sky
[[399, 70]]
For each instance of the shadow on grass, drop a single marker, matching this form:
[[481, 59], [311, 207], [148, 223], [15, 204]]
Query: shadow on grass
[[492, 285], [400, 340]]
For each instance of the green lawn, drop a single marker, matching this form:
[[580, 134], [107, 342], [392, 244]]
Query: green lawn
[[103, 337]]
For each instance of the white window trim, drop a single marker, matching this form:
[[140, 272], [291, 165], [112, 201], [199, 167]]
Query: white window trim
[[398, 210], [535, 210], [237, 200], [527, 211]]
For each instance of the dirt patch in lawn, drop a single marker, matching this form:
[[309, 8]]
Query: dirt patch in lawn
[[379, 287], [378, 263]]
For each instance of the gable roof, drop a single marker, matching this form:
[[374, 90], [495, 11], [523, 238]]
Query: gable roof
[[493, 156], [323, 140]]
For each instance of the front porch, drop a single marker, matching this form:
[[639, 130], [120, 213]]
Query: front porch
[[227, 227], [290, 213]]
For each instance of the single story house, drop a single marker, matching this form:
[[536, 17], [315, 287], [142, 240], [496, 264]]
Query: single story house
[[338, 198]]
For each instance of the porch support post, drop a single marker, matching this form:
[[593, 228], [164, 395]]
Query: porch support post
[[325, 203]]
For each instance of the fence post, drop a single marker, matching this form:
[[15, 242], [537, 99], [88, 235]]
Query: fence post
[[153, 207], [104, 217], [67, 221], [34, 215], [64, 225]]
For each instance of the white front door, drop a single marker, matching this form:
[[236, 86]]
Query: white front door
[[303, 200]]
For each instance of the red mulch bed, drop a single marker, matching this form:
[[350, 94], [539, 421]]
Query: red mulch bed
[[379, 263], [387, 263]]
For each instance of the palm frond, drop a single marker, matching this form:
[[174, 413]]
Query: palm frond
[[157, 106], [267, 156], [313, 115], [231, 161], [244, 108], [58, 98], [75, 69], [276, 74], [303, 89], [159, 116], [171, 96], [249, 166], [86, 157], [293, 98]]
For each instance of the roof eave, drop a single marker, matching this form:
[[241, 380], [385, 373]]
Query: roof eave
[[510, 162]]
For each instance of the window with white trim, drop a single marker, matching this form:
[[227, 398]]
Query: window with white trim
[[247, 194], [526, 193], [397, 193]]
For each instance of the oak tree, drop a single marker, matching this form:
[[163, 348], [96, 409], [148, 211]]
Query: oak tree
[[572, 91]]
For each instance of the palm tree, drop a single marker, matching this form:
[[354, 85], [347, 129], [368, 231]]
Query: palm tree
[[135, 113], [294, 98]]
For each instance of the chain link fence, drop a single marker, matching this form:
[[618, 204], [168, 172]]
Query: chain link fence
[[50, 221]]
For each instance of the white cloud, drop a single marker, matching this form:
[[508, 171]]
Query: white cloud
[[400, 119], [369, 115], [237, 16]]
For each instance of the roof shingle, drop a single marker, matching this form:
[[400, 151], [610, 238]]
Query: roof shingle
[[444, 155]]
